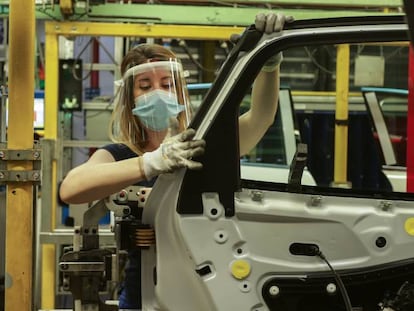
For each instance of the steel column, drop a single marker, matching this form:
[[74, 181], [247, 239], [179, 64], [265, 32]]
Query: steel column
[[19, 209]]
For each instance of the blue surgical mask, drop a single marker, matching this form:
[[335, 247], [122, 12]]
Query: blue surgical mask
[[155, 109]]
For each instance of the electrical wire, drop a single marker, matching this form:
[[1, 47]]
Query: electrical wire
[[183, 44], [347, 301], [315, 62], [107, 52], [40, 50], [77, 58], [395, 52], [43, 11], [91, 67], [225, 48]]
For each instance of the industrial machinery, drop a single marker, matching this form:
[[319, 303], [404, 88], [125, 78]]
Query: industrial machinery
[[87, 268], [216, 239]]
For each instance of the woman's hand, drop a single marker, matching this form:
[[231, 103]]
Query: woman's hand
[[175, 152]]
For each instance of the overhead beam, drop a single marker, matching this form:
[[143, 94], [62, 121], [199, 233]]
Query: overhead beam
[[141, 30], [315, 3], [239, 15], [344, 3], [173, 14]]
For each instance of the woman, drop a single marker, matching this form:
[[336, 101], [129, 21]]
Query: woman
[[152, 105]]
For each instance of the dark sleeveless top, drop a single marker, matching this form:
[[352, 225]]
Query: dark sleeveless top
[[130, 291]]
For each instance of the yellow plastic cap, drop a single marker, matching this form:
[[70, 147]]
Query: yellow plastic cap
[[240, 269], [409, 226]]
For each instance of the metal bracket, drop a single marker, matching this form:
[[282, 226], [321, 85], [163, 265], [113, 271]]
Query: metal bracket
[[18, 155], [20, 176], [34, 175]]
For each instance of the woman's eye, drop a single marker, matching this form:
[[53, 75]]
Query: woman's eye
[[166, 83], [144, 87]]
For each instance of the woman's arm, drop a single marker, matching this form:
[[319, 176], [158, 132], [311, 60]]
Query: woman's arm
[[102, 176], [99, 177], [254, 123], [265, 93]]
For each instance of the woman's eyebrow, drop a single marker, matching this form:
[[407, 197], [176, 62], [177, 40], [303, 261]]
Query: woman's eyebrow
[[166, 78], [144, 80]]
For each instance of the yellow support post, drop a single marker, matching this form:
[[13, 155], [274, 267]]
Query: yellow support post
[[341, 116], [48, 275], [19, 210]]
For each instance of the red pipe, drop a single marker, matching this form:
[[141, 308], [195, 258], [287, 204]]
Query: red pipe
[[95, 59], [410, 123]]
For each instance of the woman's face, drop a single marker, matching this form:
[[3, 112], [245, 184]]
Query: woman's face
[[151, 80]]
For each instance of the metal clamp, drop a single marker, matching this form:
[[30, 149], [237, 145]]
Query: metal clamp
[[18, 155], [20, 176], [33, 175]]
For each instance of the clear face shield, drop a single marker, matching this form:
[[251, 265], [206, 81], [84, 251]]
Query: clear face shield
[[161, 101]]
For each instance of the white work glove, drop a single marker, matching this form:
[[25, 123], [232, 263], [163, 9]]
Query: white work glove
[[175, 152], [269, 23]]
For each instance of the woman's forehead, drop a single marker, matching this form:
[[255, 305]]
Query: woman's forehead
[[153, 74]]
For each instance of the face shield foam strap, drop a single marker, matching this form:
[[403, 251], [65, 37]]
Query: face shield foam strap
[[171, 65]]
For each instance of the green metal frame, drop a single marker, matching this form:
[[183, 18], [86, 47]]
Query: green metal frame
[[204, 14]]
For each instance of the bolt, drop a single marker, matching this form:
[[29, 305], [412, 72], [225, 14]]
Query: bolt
[[315, 200], [36, 154], [64, 267], [1, 175], [35, 176], [331, 288], [257, 196], [385, 206], [274, 290], [122, 196], [1, 154]]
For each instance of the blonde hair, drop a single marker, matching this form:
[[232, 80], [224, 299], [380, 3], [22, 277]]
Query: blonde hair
[[124, 127]]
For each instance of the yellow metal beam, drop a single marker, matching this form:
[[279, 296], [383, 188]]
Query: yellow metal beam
[[341, 116], [51, 133], [19, 213], [142, 30]]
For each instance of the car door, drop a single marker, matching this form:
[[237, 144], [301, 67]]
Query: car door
[[228, 243]]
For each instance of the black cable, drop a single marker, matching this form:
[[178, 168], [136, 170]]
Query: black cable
[[347, 301], [78, 58], [43, 11], [183, 44]]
